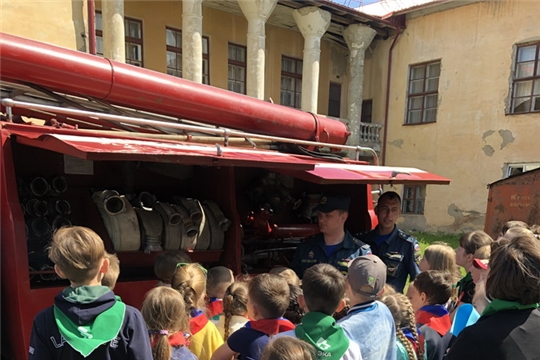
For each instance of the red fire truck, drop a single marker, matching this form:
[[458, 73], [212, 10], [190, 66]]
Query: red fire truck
[[152, 162]]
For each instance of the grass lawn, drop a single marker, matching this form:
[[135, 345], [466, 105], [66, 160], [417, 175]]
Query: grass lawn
[[426, 239]]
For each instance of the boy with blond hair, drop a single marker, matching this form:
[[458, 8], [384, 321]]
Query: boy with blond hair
[[268, 298], [87, 321], [324, 289], [111, 276]]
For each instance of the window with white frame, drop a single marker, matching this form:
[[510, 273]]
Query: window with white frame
[[174, 51], [423, 94], [291, 82], [518, 168], [526, 81], [133, 39], [237, 68], [414, 199]]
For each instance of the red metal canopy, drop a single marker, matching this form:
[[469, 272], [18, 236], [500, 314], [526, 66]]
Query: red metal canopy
[[118, 149], [328, 173], [111, 148]]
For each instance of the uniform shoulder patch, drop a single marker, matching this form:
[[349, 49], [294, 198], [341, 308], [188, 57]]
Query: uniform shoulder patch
[[366, 249], [403, 235]]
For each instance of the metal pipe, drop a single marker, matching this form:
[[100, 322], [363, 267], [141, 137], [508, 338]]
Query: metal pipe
[[235, 141], [91, 27], [77, 73], [201, 129], [387, 101]]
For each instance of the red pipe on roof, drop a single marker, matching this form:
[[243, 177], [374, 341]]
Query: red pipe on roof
[[77, 73]]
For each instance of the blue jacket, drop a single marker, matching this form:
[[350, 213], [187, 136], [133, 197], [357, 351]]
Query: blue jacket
[[372, 326], [132, 342], [401, 254], [313, 251]]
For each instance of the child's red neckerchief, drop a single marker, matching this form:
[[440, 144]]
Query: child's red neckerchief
[[270, 326], [177, 339], [197, 323], [215, 307], [436, 317]]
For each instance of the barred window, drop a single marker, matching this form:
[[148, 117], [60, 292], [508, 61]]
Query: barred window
[[414, 199]]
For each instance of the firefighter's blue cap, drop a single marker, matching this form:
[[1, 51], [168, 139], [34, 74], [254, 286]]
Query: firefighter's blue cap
[[331, 203]]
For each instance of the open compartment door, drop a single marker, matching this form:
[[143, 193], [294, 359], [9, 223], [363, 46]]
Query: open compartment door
[[347, 173]]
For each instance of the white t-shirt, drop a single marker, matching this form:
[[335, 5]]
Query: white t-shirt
[[236, 323], [352, 353]]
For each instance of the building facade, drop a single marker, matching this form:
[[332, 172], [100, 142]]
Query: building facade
[[452, 87], [463, 102]]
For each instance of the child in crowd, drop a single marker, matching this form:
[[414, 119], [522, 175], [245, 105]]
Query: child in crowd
[[440, 256], [369, 322], [87, 320], [515, 232], [512, 224], [287, 273], [234, 309], [165, 314], [469, 243], [323, 291], [190, 281], [268, 298], [294, 312], [480, 300], [110, 277], [428, 293], [288, 348], [218, 280], [509, 327], [409, 343], [165, 265]]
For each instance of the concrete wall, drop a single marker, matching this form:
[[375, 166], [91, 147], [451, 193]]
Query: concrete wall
[[59, 22], [473, 137]]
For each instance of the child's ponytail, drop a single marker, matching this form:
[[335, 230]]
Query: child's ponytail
[[234, 303]]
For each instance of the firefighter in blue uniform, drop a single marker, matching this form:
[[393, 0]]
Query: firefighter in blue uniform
[[399, 251], [334, 245]]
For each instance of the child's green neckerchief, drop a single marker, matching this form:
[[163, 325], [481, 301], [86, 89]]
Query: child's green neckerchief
[[105, 327], [321, 331], [500, 305]]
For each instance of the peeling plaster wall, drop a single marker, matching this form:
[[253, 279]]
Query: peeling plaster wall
[[473, 137]]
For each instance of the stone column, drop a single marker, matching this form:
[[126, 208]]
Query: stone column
[[358, 38], [192, 56], [112, 18], [256, 13], [313, 23]]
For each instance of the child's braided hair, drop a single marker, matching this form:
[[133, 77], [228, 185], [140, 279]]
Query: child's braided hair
[[234, 303], [403, 314]]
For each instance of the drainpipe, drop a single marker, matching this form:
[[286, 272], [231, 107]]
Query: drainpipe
[[387, 104], [91, 26]]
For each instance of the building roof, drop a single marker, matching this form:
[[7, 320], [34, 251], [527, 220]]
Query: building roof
[[387, 8]]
